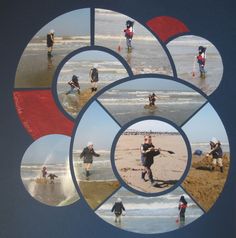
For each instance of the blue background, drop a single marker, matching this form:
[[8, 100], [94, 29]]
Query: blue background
[[22, 216]]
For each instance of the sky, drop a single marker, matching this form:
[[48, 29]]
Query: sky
[[52, 149], [153, 84], [93, 55], [96, 126], [153, 125], [204, 125], [74, 23]]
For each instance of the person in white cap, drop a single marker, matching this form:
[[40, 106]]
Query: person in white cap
[[216, 153], [50, 42], [93, 75], [87, 155], [118, 208]]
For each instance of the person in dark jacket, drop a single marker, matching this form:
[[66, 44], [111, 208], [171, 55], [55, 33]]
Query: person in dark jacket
[[148, 152], [74, 84], [52, 177], [118, 208], [44, 172], [182, 209], [93, 75], [87, 154], [216, 153], [50, 42]]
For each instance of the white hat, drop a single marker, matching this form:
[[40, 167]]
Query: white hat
[[119, 200], [52, 31], [90, 143], [214, 140]]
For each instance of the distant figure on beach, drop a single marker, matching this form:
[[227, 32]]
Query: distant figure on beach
[[152, 99], [201, 59], [87, 154], [148, 152], [50, 42], [44, 172], [74, 84], [182, 209], [93, 75], [118, 208], [52, 177], [129, 33], [216, 153]]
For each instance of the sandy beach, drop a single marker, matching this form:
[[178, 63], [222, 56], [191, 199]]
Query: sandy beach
[[167, 169], [204, 185]]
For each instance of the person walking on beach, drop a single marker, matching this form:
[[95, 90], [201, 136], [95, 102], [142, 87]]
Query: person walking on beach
[[74, 84], [118, 208], [50, 42], [129, 33], [93, 75], [216, 153], [44, 172], [52, 177], [87, 154], [182, 209], [201, 59], [148, 152]]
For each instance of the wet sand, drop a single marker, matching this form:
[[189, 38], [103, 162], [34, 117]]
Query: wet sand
[[167, 169], [95, 192], [204, 185]]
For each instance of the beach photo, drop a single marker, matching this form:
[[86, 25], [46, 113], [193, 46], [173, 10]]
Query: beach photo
[[151, 156], [210, 158], [91, 155], [49, 46], [45, 171], [197, 61], [132, 41], [151, 97], [83, 75], [149, 215]]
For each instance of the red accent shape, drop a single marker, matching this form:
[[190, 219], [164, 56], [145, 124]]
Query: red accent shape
[[167, 27], [40, 115]]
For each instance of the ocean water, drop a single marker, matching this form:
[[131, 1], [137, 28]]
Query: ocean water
[[101, 168], [177, 106], [149, 214], [184, 50], [147, 55], [35, 69]]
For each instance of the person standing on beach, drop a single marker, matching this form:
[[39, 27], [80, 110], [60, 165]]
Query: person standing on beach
[[87, 154], [44, 172], [182, 209], [152, 99], [148, 152], [50, 42], [201, 59], [118, 208], [129, 33], [74, 83], [216, 153], [93, 75]]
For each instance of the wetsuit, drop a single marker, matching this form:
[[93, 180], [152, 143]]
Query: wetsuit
[[74, 84], [88, 154]]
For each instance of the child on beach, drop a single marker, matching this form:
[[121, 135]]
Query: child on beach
[[87, 154], [93, 75], [182, 209], [129, 33], [44, 172], [201, 59], [118, 208], [216, 153], [50, 42], [152, 99], [52, 177], [74, 83]]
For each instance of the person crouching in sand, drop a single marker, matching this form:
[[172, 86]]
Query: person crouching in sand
[[216, 153], [148, 152], [88, 153], [118, 208]]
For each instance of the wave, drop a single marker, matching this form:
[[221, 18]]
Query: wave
[[118, 37]]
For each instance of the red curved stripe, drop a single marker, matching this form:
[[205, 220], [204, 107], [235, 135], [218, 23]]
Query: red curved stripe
[[167, 27], [40, 115]]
